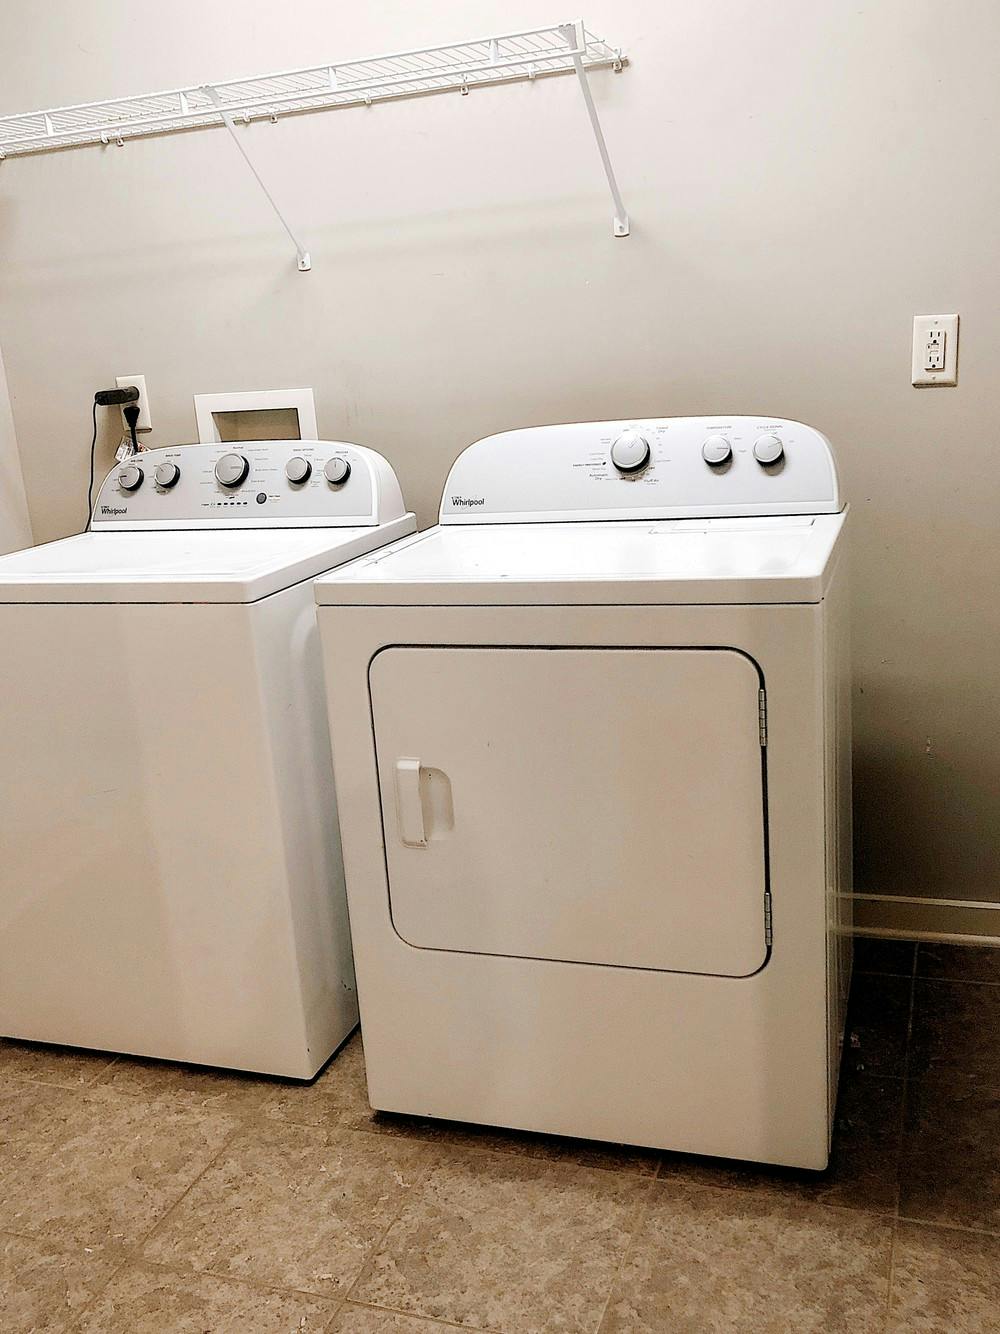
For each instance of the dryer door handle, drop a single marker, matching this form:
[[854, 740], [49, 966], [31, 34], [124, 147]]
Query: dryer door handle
[[409, 804]]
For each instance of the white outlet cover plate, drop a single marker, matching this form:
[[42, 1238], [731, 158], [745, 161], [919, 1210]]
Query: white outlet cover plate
[[923, 325], [145, 422]]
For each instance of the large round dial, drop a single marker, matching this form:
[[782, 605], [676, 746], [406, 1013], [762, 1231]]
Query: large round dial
[[232, 470], [298, 469], [630, 452], [716, 450], [130, 477], [767, 449], [337, 471], [167, 475]]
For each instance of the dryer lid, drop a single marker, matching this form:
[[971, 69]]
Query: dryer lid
[[751, 560]]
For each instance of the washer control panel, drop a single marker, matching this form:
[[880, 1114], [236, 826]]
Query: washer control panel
[[667, 467], [257, 484]]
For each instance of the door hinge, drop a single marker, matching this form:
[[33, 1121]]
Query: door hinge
[[762, 716], [767, 917]]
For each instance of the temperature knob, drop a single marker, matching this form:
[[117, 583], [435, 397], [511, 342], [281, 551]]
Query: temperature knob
[[298, 470], [232, 470], [716, 450], [167, 475], [337, 471], [630, 452], [767, 449], [130, 477]]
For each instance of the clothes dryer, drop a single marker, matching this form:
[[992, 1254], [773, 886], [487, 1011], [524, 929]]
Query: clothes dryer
[[592, 748]]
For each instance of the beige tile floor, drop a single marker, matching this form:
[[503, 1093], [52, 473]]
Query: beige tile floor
[[144, 1197]]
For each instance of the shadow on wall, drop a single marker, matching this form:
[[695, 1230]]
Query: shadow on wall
[[921, 823], [15, 526]]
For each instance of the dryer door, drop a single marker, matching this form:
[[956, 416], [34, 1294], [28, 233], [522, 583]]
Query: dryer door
[[592, 805]]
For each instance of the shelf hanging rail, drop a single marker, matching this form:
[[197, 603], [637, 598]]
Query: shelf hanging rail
[[565, 48]]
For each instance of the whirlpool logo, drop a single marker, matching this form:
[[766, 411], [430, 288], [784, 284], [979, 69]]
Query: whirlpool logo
[[468, 501], [111, 509]]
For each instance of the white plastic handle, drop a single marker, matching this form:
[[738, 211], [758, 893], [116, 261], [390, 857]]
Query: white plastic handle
[[409, 806]]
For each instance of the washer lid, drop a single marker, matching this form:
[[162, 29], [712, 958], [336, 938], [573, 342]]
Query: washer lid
[[749, 560], [194, 566]]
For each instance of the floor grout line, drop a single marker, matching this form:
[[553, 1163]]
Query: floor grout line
[[957, 981], [887, 1312], [901, 1158], [993, 1233], [12, 1077], [376, 1246], [127, 1259], [134, 1253], [396, 1310], [641, 1213], [133, 1258], [160, 1222]]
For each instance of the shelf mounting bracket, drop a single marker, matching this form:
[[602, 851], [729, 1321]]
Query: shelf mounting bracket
[[576, 39], [303, 260]]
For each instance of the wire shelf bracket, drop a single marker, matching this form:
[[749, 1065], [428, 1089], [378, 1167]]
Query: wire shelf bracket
[[565, 48]]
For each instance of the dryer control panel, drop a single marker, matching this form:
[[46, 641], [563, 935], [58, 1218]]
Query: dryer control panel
[[666, 467], [256, 484]]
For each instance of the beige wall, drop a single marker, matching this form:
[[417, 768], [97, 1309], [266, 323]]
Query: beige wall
[[15, 528], [802, 180]]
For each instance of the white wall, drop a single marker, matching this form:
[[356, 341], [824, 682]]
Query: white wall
[[15, 527], [794, 204]]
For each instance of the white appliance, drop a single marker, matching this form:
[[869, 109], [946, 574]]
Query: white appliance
[[171, 881], [592, 750]]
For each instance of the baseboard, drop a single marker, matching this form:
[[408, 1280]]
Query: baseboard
[[964, 921]]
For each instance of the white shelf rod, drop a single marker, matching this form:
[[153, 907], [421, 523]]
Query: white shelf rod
[[577, 38], [302, 256], [506, 58]]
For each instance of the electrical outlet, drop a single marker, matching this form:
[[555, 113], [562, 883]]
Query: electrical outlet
[[145, 422], [935, 350]]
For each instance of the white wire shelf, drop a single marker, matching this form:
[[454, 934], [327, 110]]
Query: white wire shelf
[[565, 48]]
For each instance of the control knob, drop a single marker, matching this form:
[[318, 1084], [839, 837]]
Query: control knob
[[716, 450], [768, 449], [630, 452], [298, 470], [130, 477], [232, 470], [337, 471], [167, 475]]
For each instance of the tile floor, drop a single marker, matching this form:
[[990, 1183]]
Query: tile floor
[[137, 1196]]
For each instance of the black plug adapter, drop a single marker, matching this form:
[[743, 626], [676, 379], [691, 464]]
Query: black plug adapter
[[116, 398]]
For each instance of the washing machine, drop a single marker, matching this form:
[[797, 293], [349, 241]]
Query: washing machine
[[592, 750], [171, 882]]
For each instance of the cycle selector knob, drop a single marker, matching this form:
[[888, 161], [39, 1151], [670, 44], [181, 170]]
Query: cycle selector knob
[[768, 449], [298, 470], [337, 471], [630, 452], [232, 470], [130, 478], [167, 475], [716, 451]]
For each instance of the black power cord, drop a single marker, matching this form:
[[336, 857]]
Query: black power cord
[[90, 484], [108, 398], [131, 414]]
